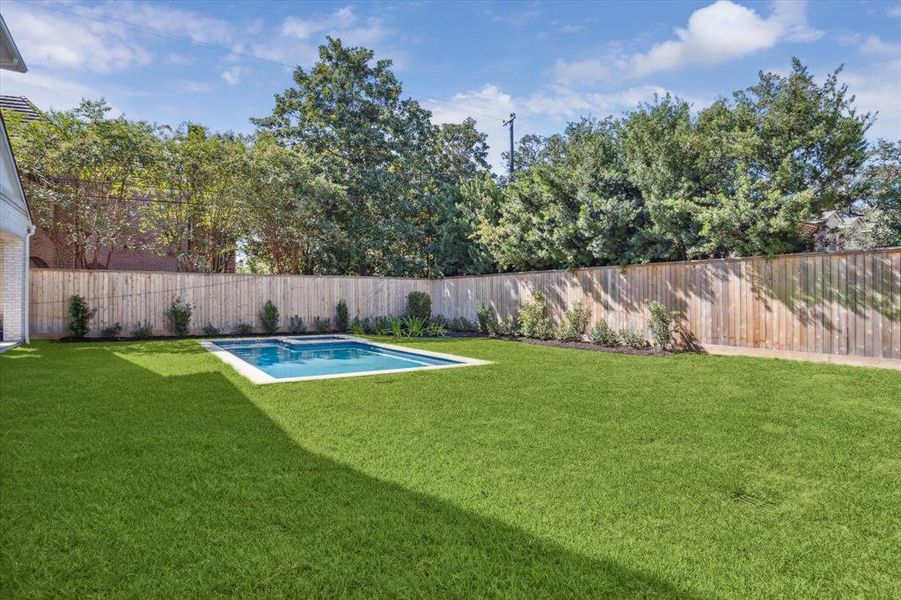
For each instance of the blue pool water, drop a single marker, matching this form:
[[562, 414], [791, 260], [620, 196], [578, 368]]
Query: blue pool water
[[281, 360]]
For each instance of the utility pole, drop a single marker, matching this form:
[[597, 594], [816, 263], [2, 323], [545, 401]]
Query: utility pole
[[510, 123]]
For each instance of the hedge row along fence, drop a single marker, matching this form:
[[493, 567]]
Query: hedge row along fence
[[844, 304]]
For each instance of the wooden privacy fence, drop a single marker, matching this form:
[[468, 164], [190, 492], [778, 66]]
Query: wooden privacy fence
[[222, 300], [846, 303]]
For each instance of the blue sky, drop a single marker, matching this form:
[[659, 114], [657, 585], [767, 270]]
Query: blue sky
[[219, 63]]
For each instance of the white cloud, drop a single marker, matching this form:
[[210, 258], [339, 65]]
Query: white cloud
[[190, 86], [876, 45], [720, 32], [232, 75], [55, 40], [582, 71], [47, 92], [875, 92], [299, 38], [104, 38], [894, 11], [489, 106]]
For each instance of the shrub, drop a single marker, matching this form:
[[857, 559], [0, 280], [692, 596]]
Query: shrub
[[269, 317], [535, 320], [79, 316], [505, 327], [436, 330], [142, 331], [111, 331], [242, 328], [415, 326], [209, 330], [632, 338], [342, 318], [321, 324], [575, 322], [296, 324], [381, 326], [396, 325], [462, 324], [487, 319], [603, 335], [357, 327], [419, 305], [662, 324], [179, 317]]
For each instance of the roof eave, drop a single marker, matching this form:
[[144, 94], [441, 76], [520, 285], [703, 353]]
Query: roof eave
[[13, 60]]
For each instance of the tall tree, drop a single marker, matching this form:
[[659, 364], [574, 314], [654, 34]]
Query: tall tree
[[85, 174], [295, 217], [196, 208], [348, 109]]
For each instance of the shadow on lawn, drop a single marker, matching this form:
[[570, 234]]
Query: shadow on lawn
[[136, 484]]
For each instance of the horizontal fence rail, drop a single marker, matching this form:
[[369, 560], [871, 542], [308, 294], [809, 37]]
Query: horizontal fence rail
[[845, 304]]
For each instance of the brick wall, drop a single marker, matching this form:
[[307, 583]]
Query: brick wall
[[12, 307]]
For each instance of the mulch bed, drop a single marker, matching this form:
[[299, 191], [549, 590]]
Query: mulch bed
[[592, 347]]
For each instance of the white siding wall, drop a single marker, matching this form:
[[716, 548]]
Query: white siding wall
[[12, 288]]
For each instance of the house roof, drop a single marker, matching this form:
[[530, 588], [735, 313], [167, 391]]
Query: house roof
[[10, 58], [21, 105]]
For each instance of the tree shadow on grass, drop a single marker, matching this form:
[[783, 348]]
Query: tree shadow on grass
[[132, 483]]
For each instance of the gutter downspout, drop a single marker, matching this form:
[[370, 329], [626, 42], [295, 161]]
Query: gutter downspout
[[26, 284]]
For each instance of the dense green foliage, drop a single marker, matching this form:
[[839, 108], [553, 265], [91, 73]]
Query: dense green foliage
[[179, 317], [549, 473], [342, 316], [79, 317], [348, 176], [419, 305], [662, 324], [269, 317]]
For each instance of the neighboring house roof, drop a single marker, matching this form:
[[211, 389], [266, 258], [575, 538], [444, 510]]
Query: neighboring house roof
[[21, 105], [10, 58]]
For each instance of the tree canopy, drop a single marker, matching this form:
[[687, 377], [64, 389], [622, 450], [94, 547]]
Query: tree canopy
[[349, 176]]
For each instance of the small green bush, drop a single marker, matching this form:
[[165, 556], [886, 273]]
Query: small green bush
[[381, 326], [242, 328], [79, 317], [419, 305], [296, 324], [603, 335], [575, 322], [357, 327], [662, 324], [415, 326], [269, 317], [436, 330], [321, 324], [142, 331], [631, 338], [397, 326], [487, 319], [209, 330], [342, 318], [505, 327], [462, 324], [111, 331], [179, 317], [535, 320]]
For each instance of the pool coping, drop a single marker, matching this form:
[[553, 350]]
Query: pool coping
[[260, 377]]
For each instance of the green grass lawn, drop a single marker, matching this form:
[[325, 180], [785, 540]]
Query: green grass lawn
[[153, 470]]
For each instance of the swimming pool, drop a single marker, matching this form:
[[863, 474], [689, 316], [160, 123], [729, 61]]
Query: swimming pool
[[274, 360]]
